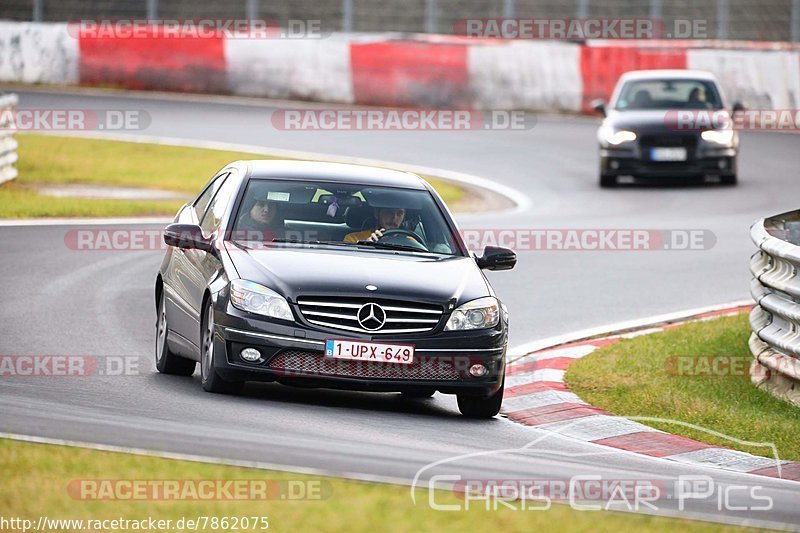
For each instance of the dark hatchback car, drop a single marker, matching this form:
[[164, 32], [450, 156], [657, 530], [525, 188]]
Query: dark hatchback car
[[273, 273], [667, 124]]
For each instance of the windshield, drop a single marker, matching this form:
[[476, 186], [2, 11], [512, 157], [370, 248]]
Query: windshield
[[286, 213], [668, 94]]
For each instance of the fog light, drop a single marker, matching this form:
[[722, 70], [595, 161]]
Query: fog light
[[615, 164], [251, 355], [723, 163], [477, 370]]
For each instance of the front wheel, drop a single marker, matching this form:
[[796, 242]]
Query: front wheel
[[166, 361], [210, 379], [729, 179], [480, 406]]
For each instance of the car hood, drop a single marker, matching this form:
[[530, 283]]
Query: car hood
[[319, 271], [647, 120]]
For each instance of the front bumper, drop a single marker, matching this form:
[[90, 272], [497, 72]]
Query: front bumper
[[293, 354], [636, 161]]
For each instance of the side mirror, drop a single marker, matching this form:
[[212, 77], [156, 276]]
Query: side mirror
[[187, 237], [496, 258], [738, 107], [599, 106]]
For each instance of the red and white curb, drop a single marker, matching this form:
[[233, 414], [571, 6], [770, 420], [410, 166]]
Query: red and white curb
[[537, 396]]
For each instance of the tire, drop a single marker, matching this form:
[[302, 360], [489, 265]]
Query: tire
[[481, 407], [166, 361], [421, 394], [729, 179], [608, 181], [209, 378]]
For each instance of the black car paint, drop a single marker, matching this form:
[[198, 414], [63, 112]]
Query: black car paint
[[192, 276]]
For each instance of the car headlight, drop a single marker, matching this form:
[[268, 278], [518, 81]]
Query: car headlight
[[718, 136], [477, 314], [609, 136], [255, 298]]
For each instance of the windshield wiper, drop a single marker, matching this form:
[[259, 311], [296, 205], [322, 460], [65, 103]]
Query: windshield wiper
[[298, 241], [393, 246]]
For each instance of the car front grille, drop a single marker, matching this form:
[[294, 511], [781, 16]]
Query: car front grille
[[688, 140], [342, 313], [315, 364]]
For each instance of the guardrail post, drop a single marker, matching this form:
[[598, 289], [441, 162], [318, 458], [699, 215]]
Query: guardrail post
[[8, 144], [252, 9], [656, 10], [152, 9], [723, 12], [431, 16], [38, 10], [582, 9], [509, 9], [347, 16]]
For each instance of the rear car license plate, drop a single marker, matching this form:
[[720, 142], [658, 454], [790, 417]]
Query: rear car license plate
[[668, 154], [402, 354]]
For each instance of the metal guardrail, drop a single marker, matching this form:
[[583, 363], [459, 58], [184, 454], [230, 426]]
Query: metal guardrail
[[775, 320], [8, 144]]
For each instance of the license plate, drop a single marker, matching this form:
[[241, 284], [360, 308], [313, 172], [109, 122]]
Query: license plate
[[402, 354], [668, 154]]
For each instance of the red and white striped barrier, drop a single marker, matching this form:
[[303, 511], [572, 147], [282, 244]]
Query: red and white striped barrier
[[537, 396], [425, 71]]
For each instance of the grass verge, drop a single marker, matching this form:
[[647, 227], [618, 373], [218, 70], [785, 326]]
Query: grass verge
[[671, 375], [37, 476], [46, 160]]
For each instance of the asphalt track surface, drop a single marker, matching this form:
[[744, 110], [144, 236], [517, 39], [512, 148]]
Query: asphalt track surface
[[100, 303]]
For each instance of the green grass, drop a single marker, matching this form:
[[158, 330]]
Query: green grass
[[638, 377], [47, 160], [36, 477]]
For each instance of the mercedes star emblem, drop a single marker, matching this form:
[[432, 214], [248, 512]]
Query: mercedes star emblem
[[371, 316]]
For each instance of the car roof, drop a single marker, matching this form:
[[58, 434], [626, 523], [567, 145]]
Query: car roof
[[331, 172], [668, 74]]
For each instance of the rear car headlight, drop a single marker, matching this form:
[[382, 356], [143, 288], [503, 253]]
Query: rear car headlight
[[477, 314], [607, 135], [255, 298], [718, 136]]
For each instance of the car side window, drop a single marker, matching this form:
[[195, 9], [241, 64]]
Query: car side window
[[216, 208], [201, 204]]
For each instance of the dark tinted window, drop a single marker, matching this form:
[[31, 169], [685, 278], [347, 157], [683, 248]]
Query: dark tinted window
[[205, 197], [669, 94], [342, 213], [216, 209]]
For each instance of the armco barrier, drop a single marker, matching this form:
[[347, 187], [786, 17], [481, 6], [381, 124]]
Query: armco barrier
[[390, 69], [775, 320], [8, 144]]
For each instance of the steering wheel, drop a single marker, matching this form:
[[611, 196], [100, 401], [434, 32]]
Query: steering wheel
[[420, 242]]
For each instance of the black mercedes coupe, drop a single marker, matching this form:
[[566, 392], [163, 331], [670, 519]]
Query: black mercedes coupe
[[330, 275]]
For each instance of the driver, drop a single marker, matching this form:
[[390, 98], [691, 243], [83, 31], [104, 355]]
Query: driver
[[386, 219]]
